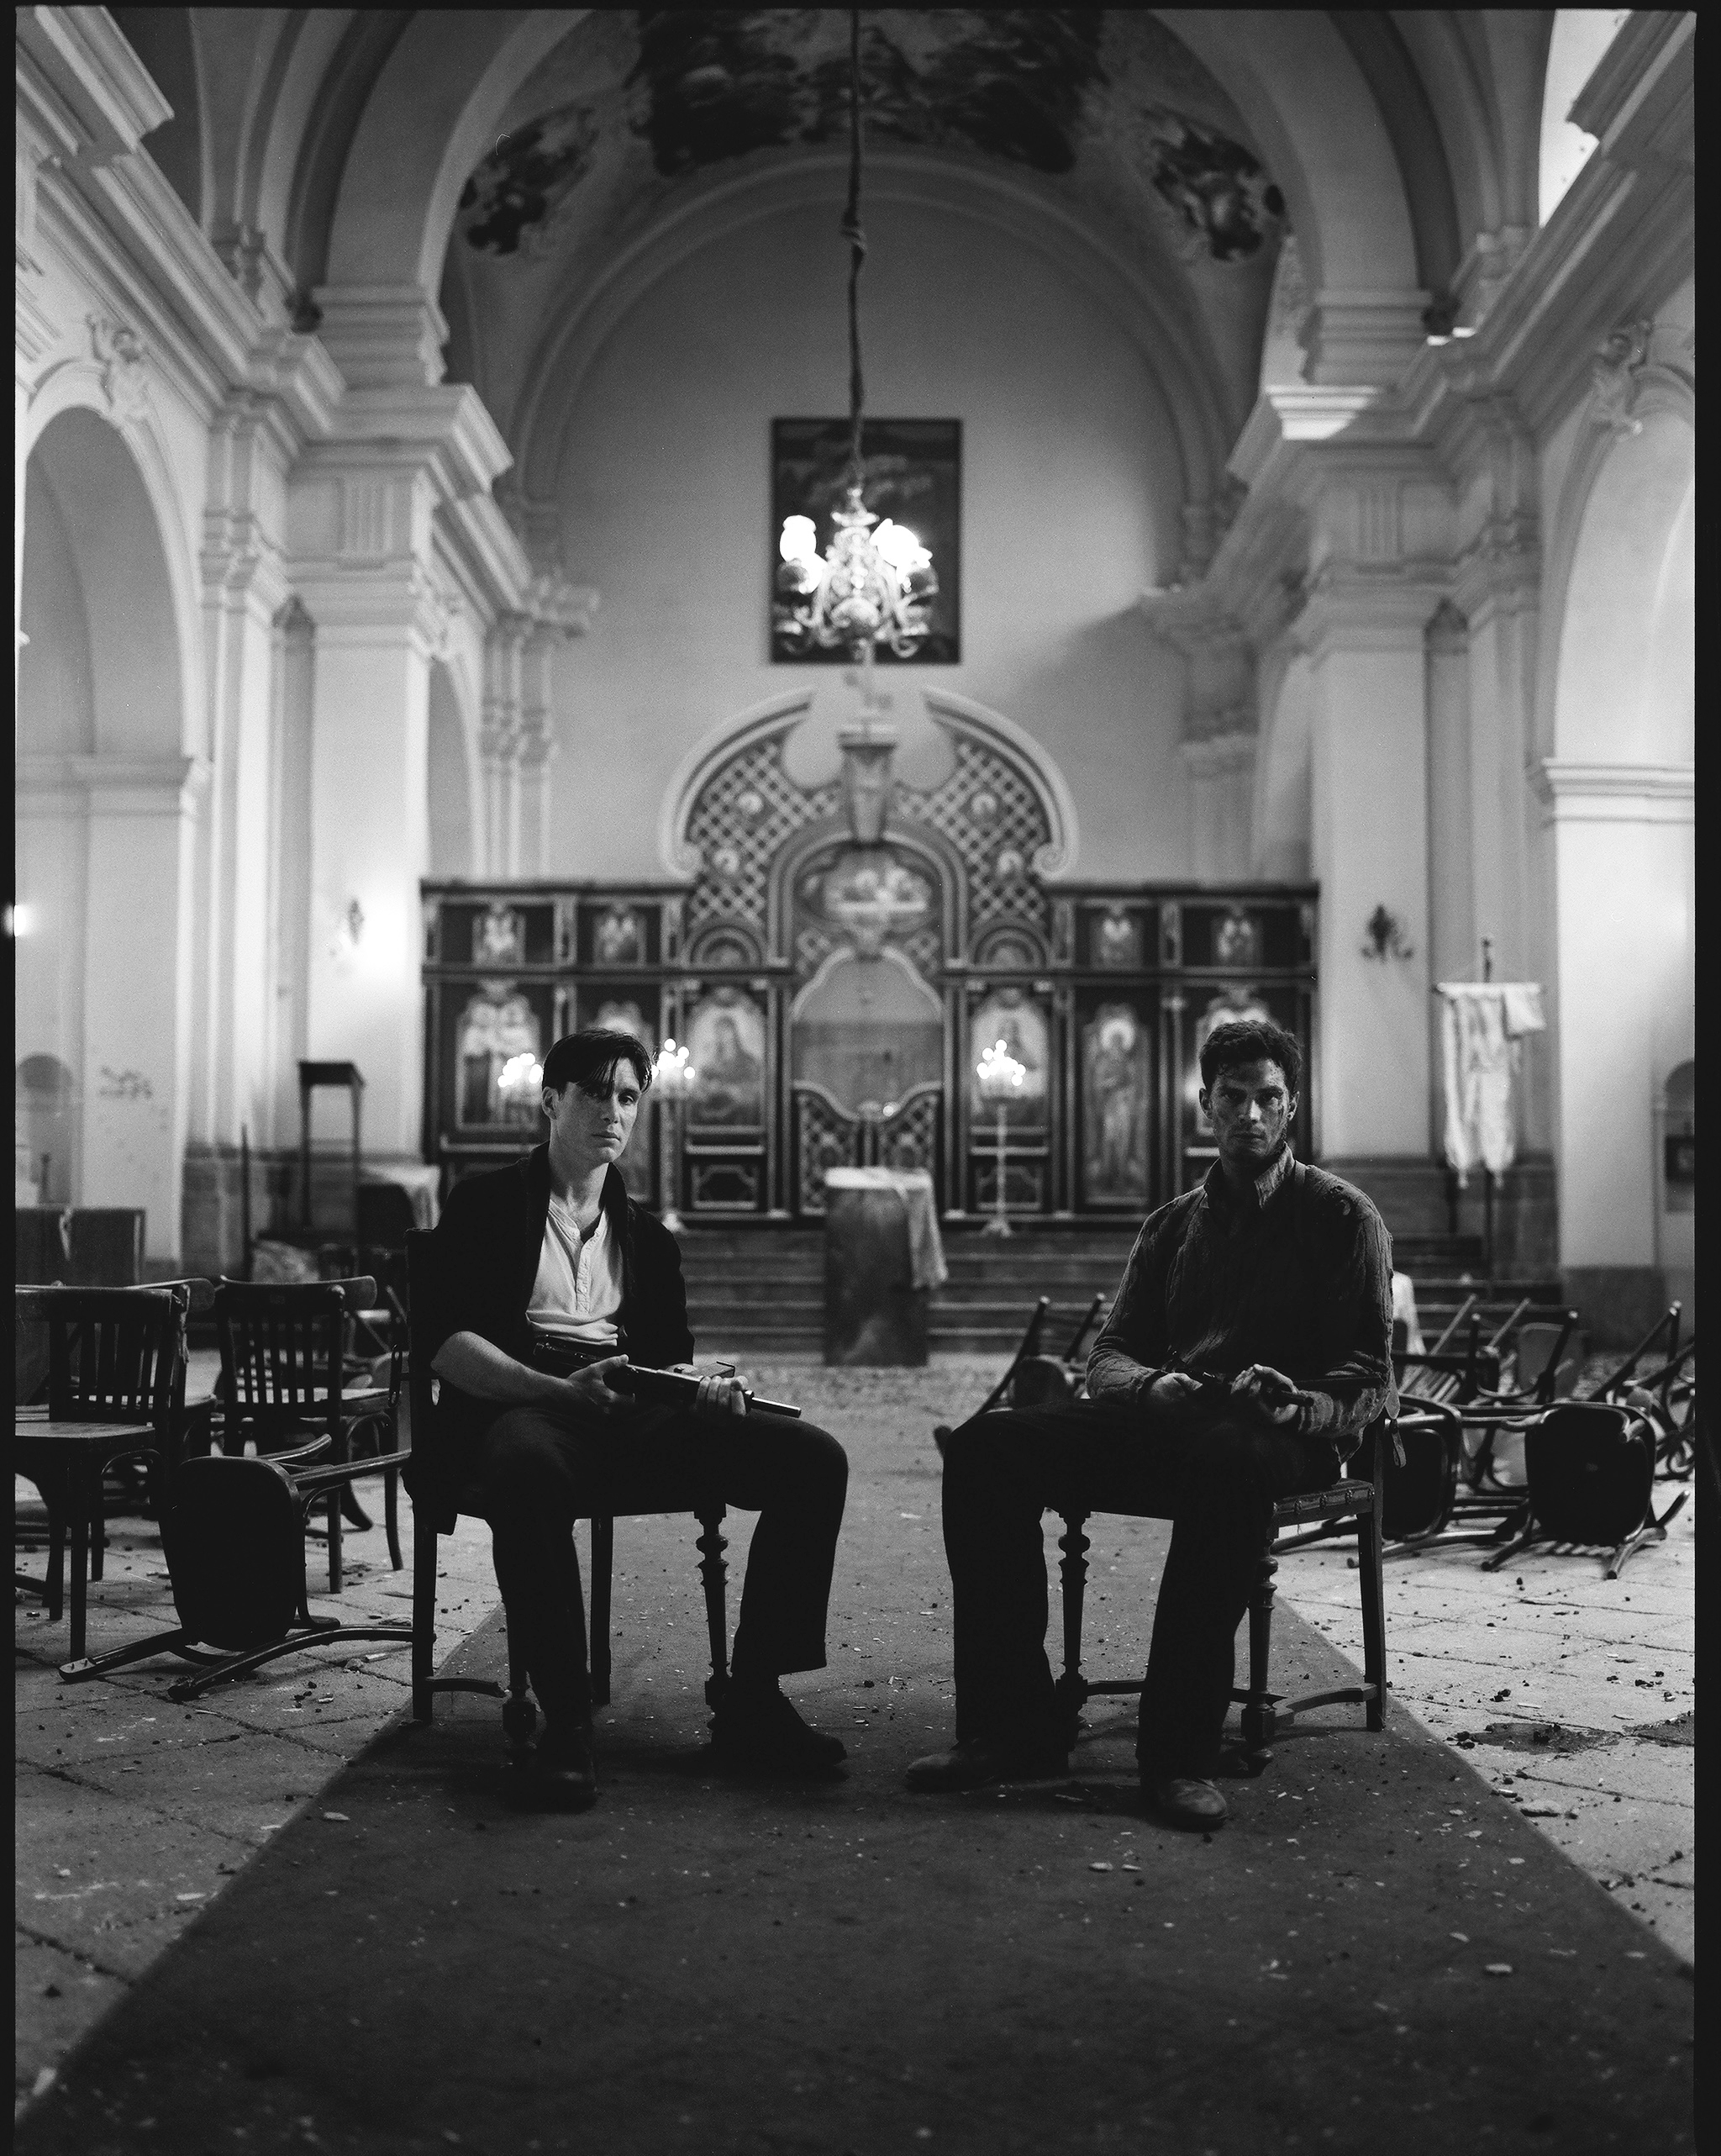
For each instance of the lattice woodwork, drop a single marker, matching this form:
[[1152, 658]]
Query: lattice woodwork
[[824, 1138], [720, 825], [750, 808], [909, 1139]]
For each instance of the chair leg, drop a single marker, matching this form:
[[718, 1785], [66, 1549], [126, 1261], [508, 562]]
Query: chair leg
[[56, 1558], [190, 1688], [334, 1569], [1073, 1569], [79, 1509], [425, 1615], [715, 1573], [1259, 1720], [174, 1643], [603, 1577], [1374, 1616], [390, 1516]]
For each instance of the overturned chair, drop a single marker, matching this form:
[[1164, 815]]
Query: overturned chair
[[441, 1493]]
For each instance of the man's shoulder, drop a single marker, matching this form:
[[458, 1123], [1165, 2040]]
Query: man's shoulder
[[1170, 1219], [1333, 1200], [652, 1241], [491, 1191]]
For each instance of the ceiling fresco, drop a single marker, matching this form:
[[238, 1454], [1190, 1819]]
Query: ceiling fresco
[[1104, 110], [1039, 87]]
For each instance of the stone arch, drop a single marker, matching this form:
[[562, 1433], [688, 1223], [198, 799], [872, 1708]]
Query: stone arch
[[107, 801], [1622, 593], [88, 483], [453, 781], [1320, 133], [434, 108], [104, 431]]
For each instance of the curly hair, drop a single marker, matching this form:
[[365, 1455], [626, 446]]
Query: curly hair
[[1251, 1041]]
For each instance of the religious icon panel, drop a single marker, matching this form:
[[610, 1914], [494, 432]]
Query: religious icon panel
[[1116, 1074]]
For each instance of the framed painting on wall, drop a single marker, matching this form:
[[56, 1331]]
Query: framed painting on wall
[[914, 477]]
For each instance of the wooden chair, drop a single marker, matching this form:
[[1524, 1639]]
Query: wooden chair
[[1360, 1497], [283, 1389], [116, 1391], [441, 1491]]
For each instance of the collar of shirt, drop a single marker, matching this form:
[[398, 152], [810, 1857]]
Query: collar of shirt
[[1219, 1194]]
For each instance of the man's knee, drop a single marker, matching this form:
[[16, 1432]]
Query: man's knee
[[822, 1462], [1233, 1471], [521, 1464]]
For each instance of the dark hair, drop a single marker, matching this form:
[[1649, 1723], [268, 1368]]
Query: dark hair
[[592, 1054], [1251, 1041]]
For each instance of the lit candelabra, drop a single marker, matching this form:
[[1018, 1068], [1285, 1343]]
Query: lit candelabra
[[520, 1082], [673, 1077], [1000, 1076], [868, 587]]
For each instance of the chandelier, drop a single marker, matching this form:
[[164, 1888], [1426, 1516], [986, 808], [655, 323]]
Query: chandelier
[[869, 586]]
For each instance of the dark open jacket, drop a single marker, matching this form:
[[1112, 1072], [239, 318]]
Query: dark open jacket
[[486, 1248]]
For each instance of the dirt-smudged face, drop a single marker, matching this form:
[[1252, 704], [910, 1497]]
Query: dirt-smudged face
[[1250, 1107]]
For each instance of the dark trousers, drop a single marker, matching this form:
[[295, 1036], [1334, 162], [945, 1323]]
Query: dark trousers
[[542, 1471], [1215, 1479]]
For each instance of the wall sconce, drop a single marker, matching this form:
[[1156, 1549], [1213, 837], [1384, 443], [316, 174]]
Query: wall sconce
[[1386, 937], [348, 931]]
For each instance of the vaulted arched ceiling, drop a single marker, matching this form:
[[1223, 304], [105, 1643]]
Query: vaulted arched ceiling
[[514, 160]]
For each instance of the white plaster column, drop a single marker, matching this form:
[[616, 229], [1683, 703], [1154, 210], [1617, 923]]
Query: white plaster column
[[1496, 589], [538, 751], [560, 612], [1221, 769], [1625, 847], [362, 520], [499, 743], [142, 814], [1369, 810], [243, 589], [1453, 949], [370, 839]]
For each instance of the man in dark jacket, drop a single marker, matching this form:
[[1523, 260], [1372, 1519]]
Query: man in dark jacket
[[550, 1284], [1247, 1352]]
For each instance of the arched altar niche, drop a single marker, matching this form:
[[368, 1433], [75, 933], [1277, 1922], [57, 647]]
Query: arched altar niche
[[868, 896]]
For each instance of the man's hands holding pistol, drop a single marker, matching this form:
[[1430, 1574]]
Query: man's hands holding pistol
[[604, 1389], [1175, 1394]]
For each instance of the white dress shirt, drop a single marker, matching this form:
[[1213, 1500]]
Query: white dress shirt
[[578, 1291]]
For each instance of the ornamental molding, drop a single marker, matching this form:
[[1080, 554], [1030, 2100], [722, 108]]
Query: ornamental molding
[[120, 355], [1574, 792], [558, 607], [110, 785]]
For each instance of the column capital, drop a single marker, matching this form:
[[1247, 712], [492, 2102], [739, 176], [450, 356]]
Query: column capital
[[382, 335], [558, 607], [1218, 755], [1500, 569], [1354, 338], [1353, 609]]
